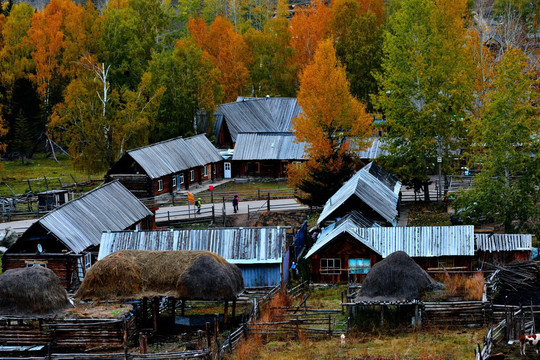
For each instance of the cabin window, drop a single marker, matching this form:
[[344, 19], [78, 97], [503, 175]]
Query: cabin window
[[192, 175], [359, 266], [445, 262], [330, 266], [87, 261], [159, 185], [174, 181], [181, 178], [205, 171]]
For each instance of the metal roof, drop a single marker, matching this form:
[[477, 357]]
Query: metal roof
[[78, 224], [503, 242], [174, 155], [268, 146], [374, 150], [428, 241], [373, 185], [258, 115], [236, 245]]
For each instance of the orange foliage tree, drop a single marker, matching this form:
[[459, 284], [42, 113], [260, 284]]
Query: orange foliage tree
[[228, 51], [309, 25], [331, 121]]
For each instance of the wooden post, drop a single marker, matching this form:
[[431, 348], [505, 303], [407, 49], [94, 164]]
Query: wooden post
[[297, 327], [342, 306], [29, 185], [268, 203], [143, 344], [225, 312], [144, 311], [382, 315], [213, 214], [216, 334], [234, 309], [172, 302], [208, 337], [199, 339], [46, 183], [155, 313]]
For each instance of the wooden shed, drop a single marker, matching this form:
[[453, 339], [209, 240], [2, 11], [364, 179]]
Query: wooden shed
[[503, 248], [168, 166], [260, 252], [66, 240], [266, 154]]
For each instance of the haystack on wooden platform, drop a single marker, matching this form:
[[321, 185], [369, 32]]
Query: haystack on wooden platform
[[32, 291], [397, 278], [136, 274]]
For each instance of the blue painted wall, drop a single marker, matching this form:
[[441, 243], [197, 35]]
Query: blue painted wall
[[261, 275]]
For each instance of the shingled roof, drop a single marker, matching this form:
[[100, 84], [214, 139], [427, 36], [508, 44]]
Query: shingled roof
[[79, 223], [174, 155], [373, 186], [268, 146], [257, 115]]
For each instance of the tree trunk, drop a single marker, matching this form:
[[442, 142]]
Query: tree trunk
[[425, 185]]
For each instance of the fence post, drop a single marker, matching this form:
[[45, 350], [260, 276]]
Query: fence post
[[208, 337], [213, 214], [258, 193], [268, 203], [216, 333], [329, 325], [46, 183], [169, 217]]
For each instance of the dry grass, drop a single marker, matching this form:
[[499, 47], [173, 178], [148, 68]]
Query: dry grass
[[428, 344], [463, 286]]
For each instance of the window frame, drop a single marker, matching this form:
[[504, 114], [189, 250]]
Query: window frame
[[330, 270], [160, 185], [192, 175]]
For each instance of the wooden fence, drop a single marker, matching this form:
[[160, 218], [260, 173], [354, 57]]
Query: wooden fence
[[457, 313]]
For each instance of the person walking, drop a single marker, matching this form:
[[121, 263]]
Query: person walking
[[235, 203], [198, 205]]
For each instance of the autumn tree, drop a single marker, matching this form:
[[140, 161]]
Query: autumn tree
[[271, 73], [356, 25], [192, 88], [427, 87], [98, 123], [309, 26], [228, 52], [506, 190], [331, 119]]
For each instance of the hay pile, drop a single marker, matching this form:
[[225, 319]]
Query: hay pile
[[396, 278], [134, 274], [32, 291]]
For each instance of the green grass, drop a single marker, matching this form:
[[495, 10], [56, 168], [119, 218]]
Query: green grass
[[16, 174], [428, 214]]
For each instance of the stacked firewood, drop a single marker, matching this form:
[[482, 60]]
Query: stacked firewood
[[518, 276]]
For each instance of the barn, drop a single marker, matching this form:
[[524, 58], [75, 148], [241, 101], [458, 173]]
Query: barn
[[372, 191], [348, 249], [260, 252], [168, 166], [266, 154], [66, 240]]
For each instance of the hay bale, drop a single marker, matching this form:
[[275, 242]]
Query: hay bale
[[396, 278], [32, 291], [134, 274]]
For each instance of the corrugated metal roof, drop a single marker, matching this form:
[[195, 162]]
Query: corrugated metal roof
[[374, 186], [258, 115], [174, 155], [428, 241], [236, 245], [503, 242], [79, 223], [268, 146], [374, 150]]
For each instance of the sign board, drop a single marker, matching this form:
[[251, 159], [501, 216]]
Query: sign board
[[191, 198], [439, 159]]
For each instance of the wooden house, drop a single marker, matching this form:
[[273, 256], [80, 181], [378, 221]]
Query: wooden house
[[66, 240], [372, 191], [260, 252], [168, 166], [266, 154], [346, 250]]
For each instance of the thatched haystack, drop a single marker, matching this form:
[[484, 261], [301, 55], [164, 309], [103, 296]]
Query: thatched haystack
[[32, 291], [396, 278], [135, 274]]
